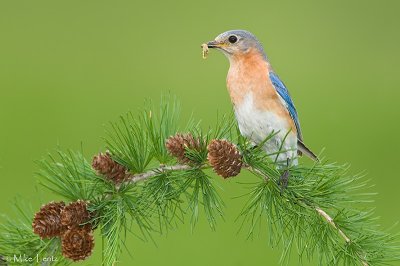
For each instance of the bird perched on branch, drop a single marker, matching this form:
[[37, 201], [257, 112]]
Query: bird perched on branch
[[261, 101]]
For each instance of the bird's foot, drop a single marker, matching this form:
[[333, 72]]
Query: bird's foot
[[254, 147], [284, 180]]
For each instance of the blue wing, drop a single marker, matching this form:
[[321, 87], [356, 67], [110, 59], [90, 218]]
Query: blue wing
[[284, 93]]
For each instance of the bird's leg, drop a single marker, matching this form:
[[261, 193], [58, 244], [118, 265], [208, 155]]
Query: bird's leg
[[254, 147], [284, 178], [251, 149]]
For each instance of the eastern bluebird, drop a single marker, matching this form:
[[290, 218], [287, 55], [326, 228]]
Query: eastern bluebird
[[261, 101]]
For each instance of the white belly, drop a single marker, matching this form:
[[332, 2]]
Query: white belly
[[257, 125]]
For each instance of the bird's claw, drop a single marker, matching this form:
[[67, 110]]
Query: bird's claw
[[284, 180]]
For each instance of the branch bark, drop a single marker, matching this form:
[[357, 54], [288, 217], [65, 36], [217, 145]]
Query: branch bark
[[330, 220], [139, 177], [163, 168], [257, 172]]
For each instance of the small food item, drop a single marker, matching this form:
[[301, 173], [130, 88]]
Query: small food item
[[205, 50]]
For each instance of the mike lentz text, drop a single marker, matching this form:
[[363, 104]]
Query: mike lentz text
[[23, 258]]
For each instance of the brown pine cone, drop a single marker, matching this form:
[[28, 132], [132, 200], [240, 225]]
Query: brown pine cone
[[74, 214], [77, 243], [106, 166], [47, 222], [176, 146], [225, 158]]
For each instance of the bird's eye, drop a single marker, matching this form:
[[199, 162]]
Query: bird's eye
[[232, 39]]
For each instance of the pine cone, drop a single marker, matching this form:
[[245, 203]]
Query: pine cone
[[77, 243], [47, 222], [225, 158], [105, 165], [74, 214], [176, 146]]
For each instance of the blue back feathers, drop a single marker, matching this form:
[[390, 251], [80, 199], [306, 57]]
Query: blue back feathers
[[284, 93]]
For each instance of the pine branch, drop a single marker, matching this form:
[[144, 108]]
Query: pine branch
[[257, 172], [133, 178], [320, 211], [331, 222], [178, 167], [313, 191], [152, 175]]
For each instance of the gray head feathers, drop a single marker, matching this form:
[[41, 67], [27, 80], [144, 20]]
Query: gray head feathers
[[245, 41]]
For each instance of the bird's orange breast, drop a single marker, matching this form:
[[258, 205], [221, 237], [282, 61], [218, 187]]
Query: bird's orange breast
[[249, 73]]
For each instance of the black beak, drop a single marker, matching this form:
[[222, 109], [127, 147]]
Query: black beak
[[212, 44]]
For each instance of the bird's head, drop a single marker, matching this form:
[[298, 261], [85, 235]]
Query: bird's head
[[235, 43]]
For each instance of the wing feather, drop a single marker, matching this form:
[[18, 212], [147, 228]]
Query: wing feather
[[284, 94]]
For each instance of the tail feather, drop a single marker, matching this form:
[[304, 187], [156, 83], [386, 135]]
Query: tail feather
[[303, 149]]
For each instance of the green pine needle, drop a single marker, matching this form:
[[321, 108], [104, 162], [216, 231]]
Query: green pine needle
[[204, 193], [323, 215], [161, 126], [69, 175], [129, 144], [292, 220], [163, 194]]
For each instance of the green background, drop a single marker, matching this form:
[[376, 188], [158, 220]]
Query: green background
[[69, 67]]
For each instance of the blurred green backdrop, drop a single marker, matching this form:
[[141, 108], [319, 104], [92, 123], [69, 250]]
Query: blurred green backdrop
[[69, 67]]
